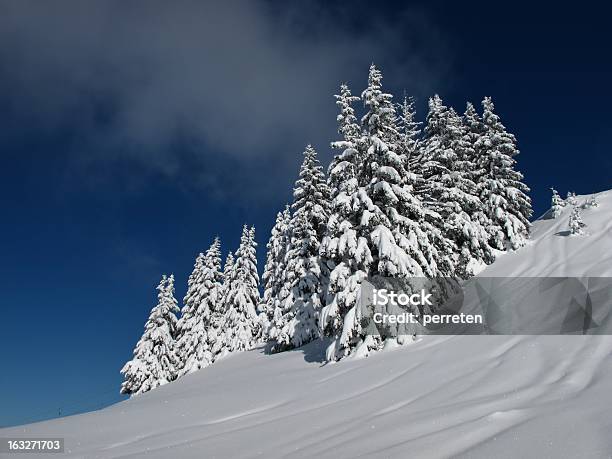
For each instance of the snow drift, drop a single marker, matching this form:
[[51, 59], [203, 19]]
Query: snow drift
[[441, 396]]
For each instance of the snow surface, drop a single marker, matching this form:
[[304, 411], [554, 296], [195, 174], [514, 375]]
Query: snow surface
[[442, 396]]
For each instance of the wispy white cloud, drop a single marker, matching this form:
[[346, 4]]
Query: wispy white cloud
[[243, 80]]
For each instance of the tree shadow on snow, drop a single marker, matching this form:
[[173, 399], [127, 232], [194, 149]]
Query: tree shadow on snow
[[313, 352], [563, 233], [548, 215]]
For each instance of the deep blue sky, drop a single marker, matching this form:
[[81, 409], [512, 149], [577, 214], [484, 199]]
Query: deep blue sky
[[131, 135]]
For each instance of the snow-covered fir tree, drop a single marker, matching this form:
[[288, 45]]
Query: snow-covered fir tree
[[409, 132], [471, 168], [502, 191], [348, 126], [300, 301], [557, 204], [311, 193], [436, 154], [217, 332], [576, 225], [346, 273], [350, 130], [155, 362], [590, 203], [194, 328], [475, 129], [448, 188], [242, 326], [343, 249], [376, 223], [571, 198], [274, 269], [188, 319]]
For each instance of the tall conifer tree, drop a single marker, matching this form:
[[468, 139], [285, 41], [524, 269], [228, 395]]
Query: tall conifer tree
[[195, 328], [305, 275], [274, 271], [242, 326], [502, 191], [155, 362]]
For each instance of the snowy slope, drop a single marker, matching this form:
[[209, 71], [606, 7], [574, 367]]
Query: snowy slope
[[470, 396], [553, 252]]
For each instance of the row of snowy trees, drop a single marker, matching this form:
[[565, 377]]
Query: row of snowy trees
[[219, 316], [398, 201]]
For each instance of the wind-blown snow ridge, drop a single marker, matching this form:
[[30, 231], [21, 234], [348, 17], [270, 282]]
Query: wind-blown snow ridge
[[442, 396]]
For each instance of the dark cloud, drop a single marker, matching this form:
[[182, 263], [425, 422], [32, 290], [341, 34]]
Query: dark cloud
[[242, 80]]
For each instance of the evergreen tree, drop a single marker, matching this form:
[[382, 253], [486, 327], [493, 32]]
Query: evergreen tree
[[591, 202], [502, 190], [557, 204], [155, 362], [242, 325], [217, 332], [448, 188], [343, 263], [296, 322], [350, 130], [571, 198], [473, 121], [203, 294], [188, 319], [376, 225], [436, 154], [274, 270], [348, 126], [475, 129], [311, 193], [409, 133], [576, 225]]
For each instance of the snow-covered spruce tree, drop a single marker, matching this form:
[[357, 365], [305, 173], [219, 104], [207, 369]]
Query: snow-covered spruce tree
[[346, 266], [571, 198], [473, 123], [469, 127], [274, 269], [502, 190], [435, 154], [155, 362], [411, 150], [296, 322], [217, 336], [590, 203], [188, 319], [576, 225], [448, 189], [375, 224], [348, 125], [242, 325], [557, 204], [475, 129], [203, 294], [409, 132], [350, 130]]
